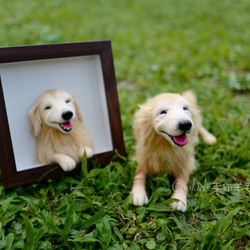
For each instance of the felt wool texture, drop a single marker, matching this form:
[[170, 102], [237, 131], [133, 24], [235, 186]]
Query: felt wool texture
[[166, 129], [57, 126]]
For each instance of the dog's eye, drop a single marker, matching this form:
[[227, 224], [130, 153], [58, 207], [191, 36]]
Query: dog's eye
[[163, 112], [68, 101], [186, 108], [47, 107]]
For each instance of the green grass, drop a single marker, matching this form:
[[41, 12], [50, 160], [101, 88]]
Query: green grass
[[158, 46]]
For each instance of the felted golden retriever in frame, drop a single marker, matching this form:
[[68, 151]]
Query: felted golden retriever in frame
[[166, 129], [57, 125]]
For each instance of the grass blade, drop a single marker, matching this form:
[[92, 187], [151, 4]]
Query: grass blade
[[105, 230], [84, 165], [54, 227], [30, 233], [219, 229], [31, 203], [5, 203], [69, 218], [93, 219], [9, 241], [41, 232]]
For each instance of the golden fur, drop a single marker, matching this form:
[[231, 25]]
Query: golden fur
[[155, 126], [52, 143]]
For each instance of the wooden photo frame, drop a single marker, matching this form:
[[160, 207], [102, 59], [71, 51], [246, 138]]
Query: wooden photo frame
[[83, 69]]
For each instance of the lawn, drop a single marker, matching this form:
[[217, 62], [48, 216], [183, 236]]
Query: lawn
[[158, 46]]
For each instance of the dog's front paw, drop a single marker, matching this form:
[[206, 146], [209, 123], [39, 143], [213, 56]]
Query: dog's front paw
[[67, 163], [139, 196], [180, 205]]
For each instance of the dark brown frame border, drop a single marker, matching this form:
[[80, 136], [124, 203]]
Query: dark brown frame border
[[10, 176]]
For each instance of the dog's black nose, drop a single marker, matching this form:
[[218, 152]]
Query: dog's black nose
[[67, 115], [184, 125]]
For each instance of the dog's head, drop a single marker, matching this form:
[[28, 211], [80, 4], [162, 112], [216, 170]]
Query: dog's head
[[169, 115], [54, 108]]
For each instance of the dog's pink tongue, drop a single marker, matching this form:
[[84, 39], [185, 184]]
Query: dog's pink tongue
[[181, 139], [67, 124]]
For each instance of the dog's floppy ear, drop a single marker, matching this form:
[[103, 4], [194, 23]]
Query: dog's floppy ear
[[190, 97], [78, 112], [34, 121]]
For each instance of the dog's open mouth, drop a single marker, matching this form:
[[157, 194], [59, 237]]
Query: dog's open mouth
[[66, 126], [179, 140]]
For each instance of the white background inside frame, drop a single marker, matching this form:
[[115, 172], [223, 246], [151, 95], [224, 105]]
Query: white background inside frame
[[24, 82]]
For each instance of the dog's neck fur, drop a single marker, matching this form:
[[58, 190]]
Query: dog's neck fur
[[154, 152]]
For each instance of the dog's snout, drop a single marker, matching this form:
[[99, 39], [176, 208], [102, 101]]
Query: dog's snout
[[185, 125], [67, 115]]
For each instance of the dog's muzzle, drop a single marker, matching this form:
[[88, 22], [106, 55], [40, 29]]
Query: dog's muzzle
[[67, 125], [184, 127]]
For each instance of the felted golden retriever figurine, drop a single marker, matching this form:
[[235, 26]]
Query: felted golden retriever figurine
[[57, 126], [166, 129]]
